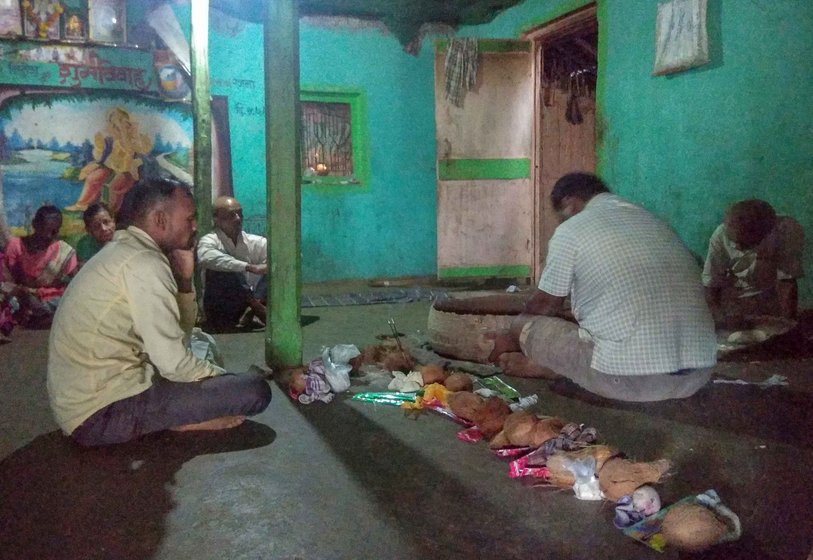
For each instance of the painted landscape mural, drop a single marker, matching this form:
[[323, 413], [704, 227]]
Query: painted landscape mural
[[72, 149]]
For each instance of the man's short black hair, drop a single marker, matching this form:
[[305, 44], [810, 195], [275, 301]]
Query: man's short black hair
[[581, 185], [144, 196]]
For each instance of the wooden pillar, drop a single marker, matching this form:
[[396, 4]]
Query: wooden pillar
[[202, 114], [283, 342]]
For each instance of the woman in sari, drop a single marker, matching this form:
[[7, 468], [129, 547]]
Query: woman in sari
[[36, 270]]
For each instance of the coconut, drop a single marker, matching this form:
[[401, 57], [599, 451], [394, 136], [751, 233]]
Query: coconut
[[459, 382], [490, 418], [545, 429], [433, 373], [398, 361], [519, 427], [499, 441], [560, 474], [620, 477], [692, 527], [465, 404]]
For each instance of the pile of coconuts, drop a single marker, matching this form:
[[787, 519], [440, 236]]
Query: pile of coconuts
[[688, 527]]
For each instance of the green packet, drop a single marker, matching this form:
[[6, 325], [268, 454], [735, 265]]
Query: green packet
[[498, 385], [391, 398]]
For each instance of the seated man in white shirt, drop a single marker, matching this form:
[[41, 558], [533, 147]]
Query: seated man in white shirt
[[234, 269], [643, 330], [118, 363], [753, 262]]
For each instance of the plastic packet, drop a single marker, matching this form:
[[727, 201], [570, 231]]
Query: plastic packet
[[337, 368], [500, 386], [586, 486], [519, 468], [394, 399]]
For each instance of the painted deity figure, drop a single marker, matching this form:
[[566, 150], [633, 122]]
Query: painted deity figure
[[117, 158]]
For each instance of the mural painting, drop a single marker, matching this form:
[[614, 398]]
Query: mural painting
[[72, 149]]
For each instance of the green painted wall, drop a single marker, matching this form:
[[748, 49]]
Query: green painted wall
[[688, 145], [685, 146], [385, 227]]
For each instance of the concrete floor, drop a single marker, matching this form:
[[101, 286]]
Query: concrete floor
[[352, 480]]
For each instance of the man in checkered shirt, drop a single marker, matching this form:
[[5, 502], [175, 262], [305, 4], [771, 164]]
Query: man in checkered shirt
[[644, 331]]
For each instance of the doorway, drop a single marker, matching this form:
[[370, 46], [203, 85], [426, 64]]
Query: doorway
[[565, 55]]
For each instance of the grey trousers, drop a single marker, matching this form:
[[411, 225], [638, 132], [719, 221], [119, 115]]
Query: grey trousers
[[555, 344], [167, 404]]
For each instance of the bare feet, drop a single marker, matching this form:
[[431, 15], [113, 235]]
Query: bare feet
[[518, 365], [222, 423], [503, 342]]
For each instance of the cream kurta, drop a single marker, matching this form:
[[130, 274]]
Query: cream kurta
[[120, 320]]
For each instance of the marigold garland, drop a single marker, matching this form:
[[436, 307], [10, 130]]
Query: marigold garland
[[34, 17]]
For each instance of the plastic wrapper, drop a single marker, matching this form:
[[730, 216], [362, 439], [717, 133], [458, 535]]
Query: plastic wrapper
[[337, 367], [586, 485], [470, 435], [436, 407], [499, 386], [512, 451], [393, 399], [519, 468]]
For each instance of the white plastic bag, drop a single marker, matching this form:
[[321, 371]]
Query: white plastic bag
[[204, 347], [337, 365]]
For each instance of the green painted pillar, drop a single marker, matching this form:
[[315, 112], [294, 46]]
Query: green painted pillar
[[202, 114], [283, 332]]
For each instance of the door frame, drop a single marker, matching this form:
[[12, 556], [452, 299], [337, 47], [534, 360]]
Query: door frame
[[545, 218]]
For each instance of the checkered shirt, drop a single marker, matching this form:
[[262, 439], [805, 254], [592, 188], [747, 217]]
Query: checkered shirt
[[635, 289]]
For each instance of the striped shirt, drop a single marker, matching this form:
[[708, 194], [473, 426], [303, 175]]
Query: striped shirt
[[635, 289]]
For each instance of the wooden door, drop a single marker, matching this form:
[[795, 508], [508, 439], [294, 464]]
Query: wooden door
[[484, 191], [561, 146]]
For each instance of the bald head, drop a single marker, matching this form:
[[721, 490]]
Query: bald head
[[228, 216]]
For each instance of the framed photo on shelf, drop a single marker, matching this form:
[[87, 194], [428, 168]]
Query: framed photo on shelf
[[106, 21], [74, 26], [42, 18], [10, 18]]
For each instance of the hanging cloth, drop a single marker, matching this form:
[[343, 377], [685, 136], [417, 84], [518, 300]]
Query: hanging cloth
[[461, 69]]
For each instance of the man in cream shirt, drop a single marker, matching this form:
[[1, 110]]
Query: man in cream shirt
[[118, 365]]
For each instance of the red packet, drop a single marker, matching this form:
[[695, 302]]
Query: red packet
[[518, 469], [470, 435], [512, 451]]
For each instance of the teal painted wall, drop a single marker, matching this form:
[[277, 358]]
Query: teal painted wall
[[688, 145], [383, 228], [685, 146], [386, 228]]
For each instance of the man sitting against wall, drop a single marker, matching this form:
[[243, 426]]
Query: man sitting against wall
[[234, 269], [753, 261], [643, 331]]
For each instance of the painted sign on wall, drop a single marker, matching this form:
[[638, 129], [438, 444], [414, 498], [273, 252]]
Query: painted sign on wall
[[76, 66]]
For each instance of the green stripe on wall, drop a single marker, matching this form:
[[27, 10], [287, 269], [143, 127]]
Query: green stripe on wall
[[502, 271], [463, 169], [491, 45]]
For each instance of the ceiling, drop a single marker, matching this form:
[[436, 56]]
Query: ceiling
[[403, 17]]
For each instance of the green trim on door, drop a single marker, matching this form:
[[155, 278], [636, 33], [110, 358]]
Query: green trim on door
[[468, 169], [500, 271]]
